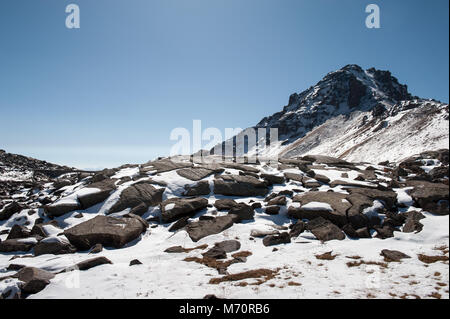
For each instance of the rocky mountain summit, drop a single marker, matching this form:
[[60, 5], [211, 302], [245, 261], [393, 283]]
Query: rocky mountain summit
[[357, 115], [231, 229]]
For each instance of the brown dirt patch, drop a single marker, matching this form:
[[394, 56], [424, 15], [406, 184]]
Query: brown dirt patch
[[266, 274], [431, 259], [242, 254], [362, 262]]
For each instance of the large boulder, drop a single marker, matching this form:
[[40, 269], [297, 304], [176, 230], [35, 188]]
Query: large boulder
[[54, 246], [272, 240], [142, 193], [225, 204], [228, 245], [34, 279], [432, 197], [18, 232], [412, 222], [199, 189], [243, 212], [237, 185], [273, 179], [13, 245], [10, 210], [324, 230], [388, 197], [96, 193], [203, 228], [108, 231], [176, 208], [329, 205]]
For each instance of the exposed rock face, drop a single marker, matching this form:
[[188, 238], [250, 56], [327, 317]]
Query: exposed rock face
[[108, 231], [138, 194], [235, 185], [175, 208]]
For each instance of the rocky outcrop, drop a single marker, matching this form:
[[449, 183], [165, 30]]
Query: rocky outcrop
[[108, 231]]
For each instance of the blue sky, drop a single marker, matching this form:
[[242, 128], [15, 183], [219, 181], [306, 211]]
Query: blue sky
[[111, 92]]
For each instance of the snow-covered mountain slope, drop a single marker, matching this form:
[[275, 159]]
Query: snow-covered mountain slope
[[358, 115], [408, 128]]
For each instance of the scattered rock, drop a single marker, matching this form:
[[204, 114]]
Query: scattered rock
[[393, 255], [271, 240], [93, 262], [135, 262], [229, 245]]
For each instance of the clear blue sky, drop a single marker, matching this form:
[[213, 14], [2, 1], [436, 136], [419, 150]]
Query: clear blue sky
[[111, 92]]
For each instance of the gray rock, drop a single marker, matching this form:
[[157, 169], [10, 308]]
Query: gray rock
[[225, 204], [324, 230], [138, 194], [393, 255], [108, 231], [199, 189], [54, 247], [229, 245], [235, 185], [35, 279], [243, 212], [176, 208], [271, 240], [204, 228]]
